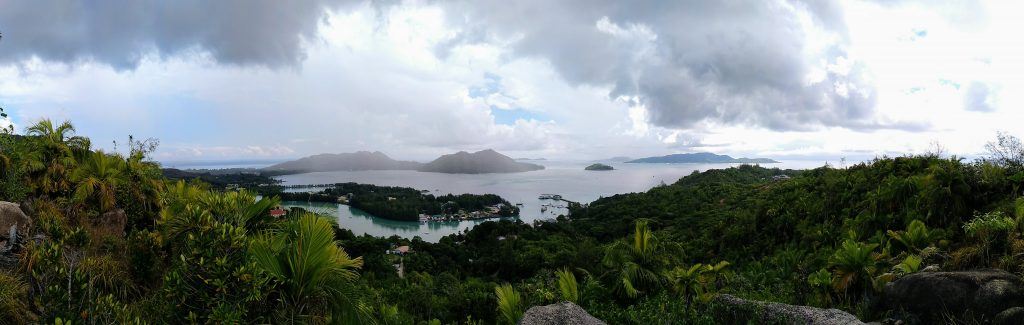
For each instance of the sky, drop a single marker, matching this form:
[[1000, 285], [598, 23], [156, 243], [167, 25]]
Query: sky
[[570, 79]]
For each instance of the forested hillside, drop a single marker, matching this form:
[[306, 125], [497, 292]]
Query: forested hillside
[[105, 238], [401, 203]]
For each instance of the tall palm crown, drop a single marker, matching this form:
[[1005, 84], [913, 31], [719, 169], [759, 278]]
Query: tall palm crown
[[317, 278], [97, 178], [49, 168], [59, 136], [637, 264]]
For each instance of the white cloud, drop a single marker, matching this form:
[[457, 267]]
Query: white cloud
[[397, 78]]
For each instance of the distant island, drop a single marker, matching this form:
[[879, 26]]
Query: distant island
[[408, 204], [600, 167], [227, 179], [701, 158], [532, 159], [355, 161], [480, 162]]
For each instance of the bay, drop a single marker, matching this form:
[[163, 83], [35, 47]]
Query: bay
[[567, 179]]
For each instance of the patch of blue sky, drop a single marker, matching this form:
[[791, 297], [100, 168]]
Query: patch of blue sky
[[509, 116], [492, 85], [188, 119]]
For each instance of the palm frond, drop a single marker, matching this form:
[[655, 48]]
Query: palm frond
[[567, 285], [509, 303]]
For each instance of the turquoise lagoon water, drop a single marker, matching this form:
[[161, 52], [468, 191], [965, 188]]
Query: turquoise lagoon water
[[567, 179]]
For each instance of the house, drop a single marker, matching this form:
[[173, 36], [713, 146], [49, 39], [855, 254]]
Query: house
[[780, 177], [278, 212], [391, 198], [494, 209], [400, 250]]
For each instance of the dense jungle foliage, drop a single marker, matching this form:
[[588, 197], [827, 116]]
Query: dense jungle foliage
[[184, 253], [402, 203]]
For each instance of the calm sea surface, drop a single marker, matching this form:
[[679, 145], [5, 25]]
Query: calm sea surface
[[567, 179]]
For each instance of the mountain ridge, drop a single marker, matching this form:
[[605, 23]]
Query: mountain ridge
[[352, 161], [480, 162], [700, 157]]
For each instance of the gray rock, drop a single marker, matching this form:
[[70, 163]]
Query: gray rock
[[1010, 316], [12, 216], [109, 224], [760, 312], [933, 295], [565, 313], [931, 268]]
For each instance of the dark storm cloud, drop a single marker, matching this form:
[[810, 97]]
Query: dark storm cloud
[[120, 33], [733, 62]]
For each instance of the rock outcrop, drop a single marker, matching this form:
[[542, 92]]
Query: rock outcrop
[[11, 216], [565, 313], [744, 311], [1010, 316], [111, 223], [934, 295], [14, 229]]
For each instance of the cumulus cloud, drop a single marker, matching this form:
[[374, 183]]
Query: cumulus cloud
[[979, 97], [765, 63], [546, 78], [121, 33]]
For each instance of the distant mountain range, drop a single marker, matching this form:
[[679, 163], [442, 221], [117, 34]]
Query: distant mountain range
[[701, 158], [361, 160], [480, 162], [616, 159]]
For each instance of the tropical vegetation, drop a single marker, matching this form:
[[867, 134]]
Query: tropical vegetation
[[114, 241]]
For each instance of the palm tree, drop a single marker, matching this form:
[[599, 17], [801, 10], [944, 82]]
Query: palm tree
[[142, 188], [509, 303], [698, 280], [567, 286], [854, 263], [686, 281], [636, 265], [59, 137], [916, 238], [48, 169], [97, 178], [317, 278]]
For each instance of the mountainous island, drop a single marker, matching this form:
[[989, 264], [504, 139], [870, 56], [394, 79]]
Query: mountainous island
[[700, 158], [480, 162], [360, 160], [599, 167]]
